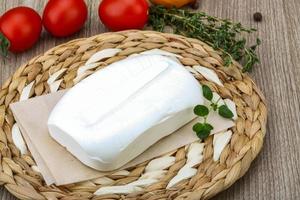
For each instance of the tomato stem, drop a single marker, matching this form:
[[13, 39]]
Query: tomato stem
[[4, 45]]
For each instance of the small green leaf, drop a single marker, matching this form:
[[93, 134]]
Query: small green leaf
[[197, 127], [203, 130], [201, 110], [4, 45], [214, 106], [258, 41], [203, 134], [208, 126], [207, 93], [227, 61], [225, 112]]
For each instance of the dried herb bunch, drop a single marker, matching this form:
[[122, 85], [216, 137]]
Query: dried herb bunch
[[221, 34]]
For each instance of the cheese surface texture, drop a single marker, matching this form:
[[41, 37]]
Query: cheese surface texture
[[115, 114]]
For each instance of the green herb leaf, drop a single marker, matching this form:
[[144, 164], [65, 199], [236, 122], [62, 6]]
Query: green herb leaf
[[201, 110], [197, 127], [225, 112], [207, 93], [4, 45], [202, 130], [214, 106]]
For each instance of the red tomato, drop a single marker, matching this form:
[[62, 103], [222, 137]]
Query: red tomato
[[22, 27], [64, 17], [123, 14]]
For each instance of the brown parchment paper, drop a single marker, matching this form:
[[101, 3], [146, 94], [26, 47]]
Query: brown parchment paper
[[60, 167]]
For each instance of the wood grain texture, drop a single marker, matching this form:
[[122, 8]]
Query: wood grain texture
[[275, 174]]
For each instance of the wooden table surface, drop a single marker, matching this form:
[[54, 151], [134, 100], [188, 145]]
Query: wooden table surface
[[275, 173]]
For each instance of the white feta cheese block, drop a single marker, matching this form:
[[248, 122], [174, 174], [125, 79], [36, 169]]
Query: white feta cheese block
[[115, 114]]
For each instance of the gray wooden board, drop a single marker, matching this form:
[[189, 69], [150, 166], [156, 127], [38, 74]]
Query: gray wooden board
[[275, 173]]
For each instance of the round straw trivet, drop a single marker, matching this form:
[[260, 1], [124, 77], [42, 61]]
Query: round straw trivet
[[18, 171]]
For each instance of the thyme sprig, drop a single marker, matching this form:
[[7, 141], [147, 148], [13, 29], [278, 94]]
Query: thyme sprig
[[204, 129], [221, 34]]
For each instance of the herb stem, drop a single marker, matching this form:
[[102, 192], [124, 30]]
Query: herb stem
[[223, 35]]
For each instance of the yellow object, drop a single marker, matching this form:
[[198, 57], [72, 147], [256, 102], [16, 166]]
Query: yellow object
[[172, 3]]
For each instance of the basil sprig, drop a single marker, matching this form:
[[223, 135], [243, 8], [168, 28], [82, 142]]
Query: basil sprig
[[204, 129]]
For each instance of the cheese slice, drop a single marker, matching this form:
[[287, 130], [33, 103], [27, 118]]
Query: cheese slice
[[115, 114]]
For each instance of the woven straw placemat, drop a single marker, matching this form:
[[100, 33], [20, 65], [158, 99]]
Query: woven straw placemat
[[18, 171]]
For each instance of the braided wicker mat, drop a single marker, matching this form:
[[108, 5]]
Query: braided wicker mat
[[17, 171]]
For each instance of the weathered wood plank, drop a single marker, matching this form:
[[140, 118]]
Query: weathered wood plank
[[275, 173]]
